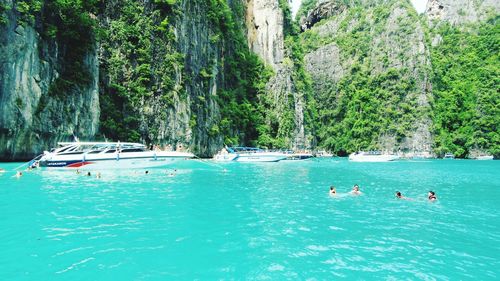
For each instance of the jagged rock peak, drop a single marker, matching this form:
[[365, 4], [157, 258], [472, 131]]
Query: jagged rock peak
[[324, 9], [461, 11]]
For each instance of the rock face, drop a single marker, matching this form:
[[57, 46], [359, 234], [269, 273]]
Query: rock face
[[265, 24], [323, 10], [166, 72], [395, 41], [265, 32], [31, 120], [324, 74], [176, 115], [193, 35], [157, 75], [461, 11]]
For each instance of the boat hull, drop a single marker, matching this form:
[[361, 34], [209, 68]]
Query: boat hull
[[137, 160], [260, 157], [372, 158], [110, 164], [250, 157], [488, 157], [299, 156], [225, 157]]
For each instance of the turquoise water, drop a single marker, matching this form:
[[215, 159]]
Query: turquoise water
[[272, 221]]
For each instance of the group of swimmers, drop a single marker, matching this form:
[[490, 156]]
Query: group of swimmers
[[431, 195], [88, 174], [169, 174], [355, 190]]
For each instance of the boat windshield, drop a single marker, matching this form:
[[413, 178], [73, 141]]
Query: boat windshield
[[90, 148], [241, 149], [370, 153]]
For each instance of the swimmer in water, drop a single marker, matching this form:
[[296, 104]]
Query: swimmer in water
[[332, 192], [355, 190], [19, 174], [88, 174], [431, 196], [98, 175], [2, 170], [147, 172], [400, 196]]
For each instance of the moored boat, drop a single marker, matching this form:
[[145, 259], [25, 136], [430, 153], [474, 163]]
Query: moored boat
[[107, 155], [371, 156], [299, 156], [484, 157], [324, 154], [249, 154], [449, 155]]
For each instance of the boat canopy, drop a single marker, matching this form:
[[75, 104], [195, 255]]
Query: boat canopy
[[100, 143], [242, 149], [97, 147]]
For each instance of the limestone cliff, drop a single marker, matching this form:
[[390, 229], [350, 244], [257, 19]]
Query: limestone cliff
[[460, 11], [174, 75], [352, 75], [381, 40], [33, 118], [266, 37], [464, 56]]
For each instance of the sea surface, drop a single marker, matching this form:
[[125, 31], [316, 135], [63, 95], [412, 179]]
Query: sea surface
[[267, 221]]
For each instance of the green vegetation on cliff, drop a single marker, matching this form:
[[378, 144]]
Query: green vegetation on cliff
[[466, 89], [180, 71], [382, 93], [150, 71], [141, 65], [245, 77], [71, 23], [373, 102]]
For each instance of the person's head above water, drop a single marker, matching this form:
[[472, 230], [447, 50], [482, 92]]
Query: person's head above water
[[398, 194], [355, 187], [431, 195], [332, 189]]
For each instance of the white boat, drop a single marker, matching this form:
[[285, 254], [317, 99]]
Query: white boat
[[324, 153], [107, 155], [449, 155], [371, 156], [485, 157], [249, 154], [299, 156], [225, 157]]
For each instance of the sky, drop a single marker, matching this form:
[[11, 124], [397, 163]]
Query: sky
[[419, 5]]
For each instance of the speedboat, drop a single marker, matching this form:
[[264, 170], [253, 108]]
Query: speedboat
[[299, 156], [323, 153], [371, 156], [249, 154], [449, 155], [485, 157], [107, 155]]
